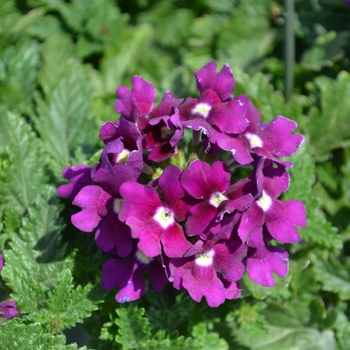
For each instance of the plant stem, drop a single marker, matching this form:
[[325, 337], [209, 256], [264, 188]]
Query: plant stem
[[289, 49]]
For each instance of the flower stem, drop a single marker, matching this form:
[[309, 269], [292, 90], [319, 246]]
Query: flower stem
[[289, 49]]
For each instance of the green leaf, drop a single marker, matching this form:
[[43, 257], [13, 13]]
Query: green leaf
[[14, 335], [122, 56], [287, 329], [67, 303], [63, 122], [318, 229], [36, 254], [134, 328], [329, 127], [22, 178], [334, 276]]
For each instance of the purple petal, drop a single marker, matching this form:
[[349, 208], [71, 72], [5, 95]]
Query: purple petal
[[8, 309], [174, 243], [93, 200], [223, 82], [251, 221], [229, 117], [278, 139], [201, 181], [79, 176], [239, 147], [262, 262], [113, 235], [284, 230], [165, 106]]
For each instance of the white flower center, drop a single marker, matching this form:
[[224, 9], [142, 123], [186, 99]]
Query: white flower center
[[142, 258], [201, 108], [254, 140], [264, 202], [123, 156], [205, 259], [164, 217], [216, 199], [117, 203]]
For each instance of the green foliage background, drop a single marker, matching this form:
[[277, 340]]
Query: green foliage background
[[60, 64]]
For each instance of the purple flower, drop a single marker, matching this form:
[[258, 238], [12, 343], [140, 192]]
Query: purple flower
[[79, 176], [153, 217], [8, 309], [128, 275], [210, 270]]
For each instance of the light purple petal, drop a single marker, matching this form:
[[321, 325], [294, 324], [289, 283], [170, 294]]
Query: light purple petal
[[252, 220], [93, 200], [239, 147], [8, 309], [174, 243], [262, 262]]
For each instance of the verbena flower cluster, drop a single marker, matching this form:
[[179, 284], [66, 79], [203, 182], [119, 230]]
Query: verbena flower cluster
[[180, 211]]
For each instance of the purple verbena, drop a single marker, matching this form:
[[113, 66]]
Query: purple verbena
[[183, 215]]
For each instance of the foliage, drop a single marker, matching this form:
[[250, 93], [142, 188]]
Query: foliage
[[60, 63]]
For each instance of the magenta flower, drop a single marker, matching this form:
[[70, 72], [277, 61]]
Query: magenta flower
[[210, 269], [153, 217], [8, 309], [128, 275]]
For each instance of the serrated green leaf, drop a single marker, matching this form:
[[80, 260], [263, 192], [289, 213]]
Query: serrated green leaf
[[334, 276], [36, 254], [22, 178], [134, 328], [208, 340], [67, 303], [14, 335], [318, 229], [63, 121], [329, 128], [121, 57]]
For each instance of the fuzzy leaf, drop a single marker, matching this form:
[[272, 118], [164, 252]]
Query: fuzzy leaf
[[329, 128], [22, 178], [14, 335], [134, 328]]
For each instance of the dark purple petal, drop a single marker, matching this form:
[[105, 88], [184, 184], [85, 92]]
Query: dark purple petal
[[165, 106], [111, 181], [262, 262], [8, 309], [228, 259], [79, 176], [229, 117], [137, 102], [93, 201], [251, 221], [238, 146], [223, 82], [201, 220], [113, 236]]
